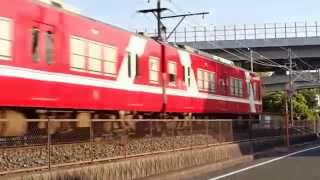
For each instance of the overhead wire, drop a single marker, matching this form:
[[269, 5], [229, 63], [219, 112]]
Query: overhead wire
[[265, 62], [269, 62]]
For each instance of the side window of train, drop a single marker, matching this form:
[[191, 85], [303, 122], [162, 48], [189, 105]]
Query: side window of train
[[172, 71], [206, 81], [99, 59], [35, 44], [78, 54], [249, 88], [154, 70], [5, 39], [236, 87], [133, 64], [110, 60], [223, 85], [49, 47], [187, 75], [255, 92], [95, 57]]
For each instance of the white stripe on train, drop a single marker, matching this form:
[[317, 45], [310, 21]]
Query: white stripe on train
[[25, 73]]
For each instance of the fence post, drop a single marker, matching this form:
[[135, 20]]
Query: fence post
[[175, 36], [306, 28], [255, 31], [265, 31], [275, 30], [195, 33], [174, 136], [191, 130], [49, 144], [316, 24], [245, 31], [220, 131], [225, 32], [235, 32], [205, 33], [185, 34], [215, 33], [91, 140], [207, 132], [126, 140], [151, 134], [295, 29], [316, 125], [285, 30], [250, 128]]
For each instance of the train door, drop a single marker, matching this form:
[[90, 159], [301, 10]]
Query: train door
[[223, 87], [251, 93], [42, 46], [42, 58]]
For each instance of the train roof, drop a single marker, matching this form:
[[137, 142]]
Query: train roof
[[60, 6]]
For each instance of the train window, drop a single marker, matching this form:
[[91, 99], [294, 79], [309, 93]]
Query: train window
[[184, 73], [95, 57], [206, 81], [255, 92], [77, 58], [137, 65], [5, 39], [249, 88], [49, 47], [187, 75], [110, 60], [236, 87], [35, 44], [212, 83], [133, 63], [223, 86], [201, 79], [172, 69], [129, 64], [154, 69], [240, 84]]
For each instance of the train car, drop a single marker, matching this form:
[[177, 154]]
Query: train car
[[57, 63]]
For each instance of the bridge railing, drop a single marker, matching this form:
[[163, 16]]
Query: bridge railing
[[245, 32]]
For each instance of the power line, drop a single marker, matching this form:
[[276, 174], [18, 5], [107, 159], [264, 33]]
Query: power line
[[269, 63]]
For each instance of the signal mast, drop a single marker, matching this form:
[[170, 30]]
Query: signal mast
[[162, 38]]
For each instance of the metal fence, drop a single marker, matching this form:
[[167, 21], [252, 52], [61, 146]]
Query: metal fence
[[54, 143], [244, 32]]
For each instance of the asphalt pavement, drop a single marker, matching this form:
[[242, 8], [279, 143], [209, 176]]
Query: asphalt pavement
[[299, 164]]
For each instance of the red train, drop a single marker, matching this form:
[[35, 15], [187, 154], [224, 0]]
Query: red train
[[54, 60]]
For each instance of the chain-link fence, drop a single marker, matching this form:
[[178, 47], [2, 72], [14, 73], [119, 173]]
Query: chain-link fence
[[59, 142]]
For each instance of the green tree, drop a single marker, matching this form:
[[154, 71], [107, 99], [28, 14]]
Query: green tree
[[310, 95], [304, 104], [274, 102]]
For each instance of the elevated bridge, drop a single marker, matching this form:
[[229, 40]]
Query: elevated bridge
[[269, 40], [303, 80]]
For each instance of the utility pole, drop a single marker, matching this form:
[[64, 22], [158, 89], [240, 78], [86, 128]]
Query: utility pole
[[286, 122], [157, 12], [159, 20], [291, 87], [251, 59], [162, 38], [289, 99]]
